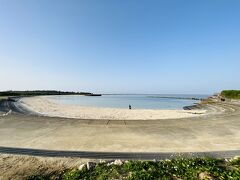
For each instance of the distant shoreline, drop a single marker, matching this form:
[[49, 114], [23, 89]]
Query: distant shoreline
[[171, 97], [44, 93]]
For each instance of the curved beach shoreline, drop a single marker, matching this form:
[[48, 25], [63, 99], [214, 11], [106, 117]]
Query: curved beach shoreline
[[217, 130], [51, 108]]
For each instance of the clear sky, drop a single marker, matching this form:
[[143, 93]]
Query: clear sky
[[120, 46]]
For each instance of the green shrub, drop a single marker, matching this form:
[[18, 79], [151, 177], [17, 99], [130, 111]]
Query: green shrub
[[168, 169], [231, 94]]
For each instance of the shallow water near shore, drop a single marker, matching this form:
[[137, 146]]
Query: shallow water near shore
[[148, 101]]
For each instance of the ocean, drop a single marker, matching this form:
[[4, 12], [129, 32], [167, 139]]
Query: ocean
[[144, 101]]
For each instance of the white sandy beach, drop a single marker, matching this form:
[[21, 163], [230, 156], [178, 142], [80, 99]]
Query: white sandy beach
[[54, 109]]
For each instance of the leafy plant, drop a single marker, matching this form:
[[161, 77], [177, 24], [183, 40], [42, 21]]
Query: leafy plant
[[182, 168]]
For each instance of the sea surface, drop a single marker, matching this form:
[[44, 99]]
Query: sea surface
[[145, 101]]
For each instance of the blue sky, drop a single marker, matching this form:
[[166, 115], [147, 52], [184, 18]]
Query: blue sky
[[120, 46]]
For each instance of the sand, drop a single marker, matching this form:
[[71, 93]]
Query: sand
[[51, 108]]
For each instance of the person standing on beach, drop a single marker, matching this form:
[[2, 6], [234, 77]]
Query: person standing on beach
[[130, 107]]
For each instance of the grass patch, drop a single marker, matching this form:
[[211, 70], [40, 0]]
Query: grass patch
[[231, 94], [196, 168], [3, 97]]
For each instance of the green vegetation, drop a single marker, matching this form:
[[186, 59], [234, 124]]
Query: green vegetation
[[231, 94], [196, 168], [40, 93], [2, 97]]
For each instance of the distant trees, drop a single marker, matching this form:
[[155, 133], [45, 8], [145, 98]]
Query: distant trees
[[40, 93]]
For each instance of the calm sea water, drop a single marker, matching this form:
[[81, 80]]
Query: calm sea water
[[151, 101]]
